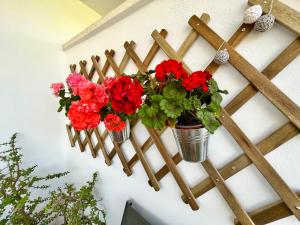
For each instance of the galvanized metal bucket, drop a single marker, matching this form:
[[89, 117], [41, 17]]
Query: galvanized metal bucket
[[192, 142], [120, 136]]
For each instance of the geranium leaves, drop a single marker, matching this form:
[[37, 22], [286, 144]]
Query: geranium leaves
[[173, 108], [174, 90], [208, 119], [153, 116]]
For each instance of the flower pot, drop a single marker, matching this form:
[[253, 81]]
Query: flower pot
[[120, 136], [192, 142]]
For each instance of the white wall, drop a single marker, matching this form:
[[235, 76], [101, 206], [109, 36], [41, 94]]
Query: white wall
[[31, 58], [257, 118]]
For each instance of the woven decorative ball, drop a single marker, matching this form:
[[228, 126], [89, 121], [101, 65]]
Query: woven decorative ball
[[252, 14], [221, 57], [264, 23]]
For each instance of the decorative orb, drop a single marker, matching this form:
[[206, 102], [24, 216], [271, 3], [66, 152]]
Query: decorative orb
[[264, 23], [221, 57], [252, 14]]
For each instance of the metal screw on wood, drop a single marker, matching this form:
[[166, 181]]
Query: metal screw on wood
[[218, 180], [297, 207], [243, 29]]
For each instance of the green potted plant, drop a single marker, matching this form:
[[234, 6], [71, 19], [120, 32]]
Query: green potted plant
[[20, 204], [188, 103]]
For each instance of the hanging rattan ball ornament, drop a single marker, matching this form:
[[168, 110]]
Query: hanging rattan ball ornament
[[252, 14], [264, 23], [221, 57]]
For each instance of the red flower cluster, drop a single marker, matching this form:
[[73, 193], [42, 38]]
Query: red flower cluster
[[167, 67], [114, 122], [126, 95], [108, 83], [92, 91], [83, 115], [196, 80]]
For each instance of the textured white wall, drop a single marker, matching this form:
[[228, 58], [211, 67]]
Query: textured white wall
[[257, 118]]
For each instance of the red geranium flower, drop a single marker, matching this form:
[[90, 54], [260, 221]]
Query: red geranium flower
[[167, 67], [126, 95], [89, 90], [83, 116], [108, 83], [196, 80], [114, 123]]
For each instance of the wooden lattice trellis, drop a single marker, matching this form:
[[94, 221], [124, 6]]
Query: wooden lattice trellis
[[253, 153]]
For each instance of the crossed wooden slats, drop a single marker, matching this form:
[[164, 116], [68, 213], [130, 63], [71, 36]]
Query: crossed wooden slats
[[253, 153]]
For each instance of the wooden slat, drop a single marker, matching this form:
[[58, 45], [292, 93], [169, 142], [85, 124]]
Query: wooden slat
[[172, 167], [79, 141], [146, 166], [278, 184], [274, 140], [147, 144], [280, 62], [284, 14], [154, 49], [269, 213], [191, 38], [98, 69], [267, 88], [113, 64], [89, 141], [237, 209], [123, 159], [100, 145], [71, 139], [93, 69], [83, 69], [142, 68]]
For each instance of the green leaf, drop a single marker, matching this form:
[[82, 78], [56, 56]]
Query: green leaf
[[60, 108], [152, 116], [174, 90], [195, 102], [172, 108], [215, 108], [217, 98], [187, 103], [213, 86], [62, 102], [61, 93], [208, 119]]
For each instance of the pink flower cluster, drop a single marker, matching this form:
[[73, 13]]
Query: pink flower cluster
[[56, 87]]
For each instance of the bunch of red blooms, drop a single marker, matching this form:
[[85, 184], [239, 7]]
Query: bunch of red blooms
[[172, 67], [117, 97]]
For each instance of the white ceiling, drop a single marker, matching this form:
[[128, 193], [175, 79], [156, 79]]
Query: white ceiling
[[102, 7]]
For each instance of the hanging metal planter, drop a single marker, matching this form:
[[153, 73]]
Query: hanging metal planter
[[120, 136], [192, 142]]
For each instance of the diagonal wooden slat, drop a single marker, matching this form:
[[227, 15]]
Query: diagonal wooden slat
[[269, 213], [172, 167], [265, 86], [277, 138], [278, 184], [218, 180]]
